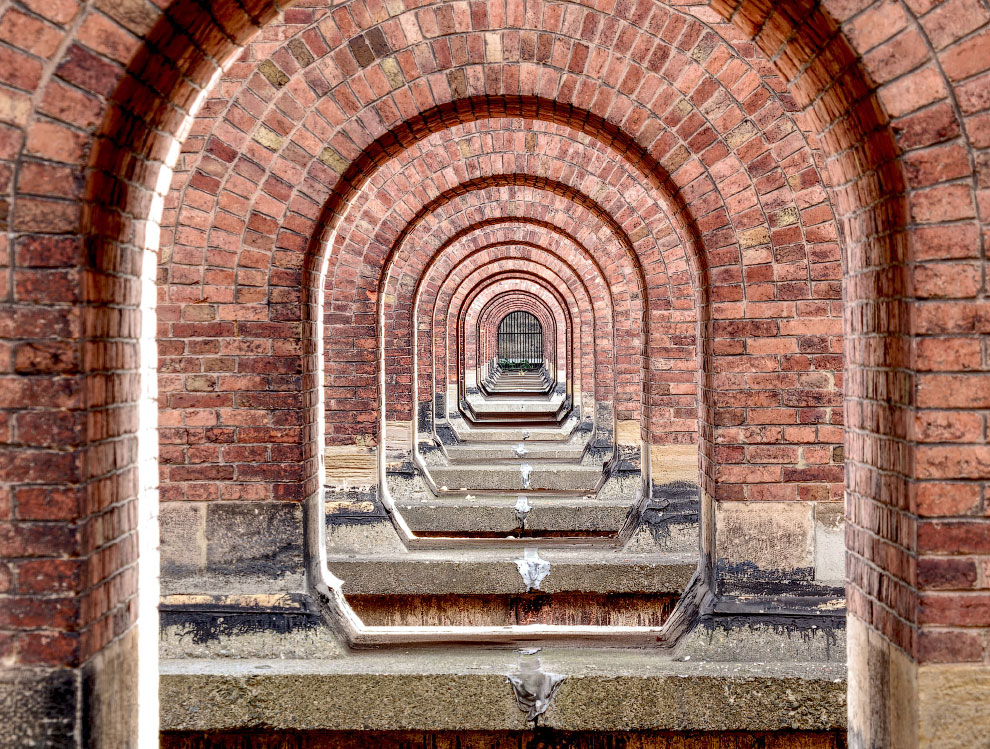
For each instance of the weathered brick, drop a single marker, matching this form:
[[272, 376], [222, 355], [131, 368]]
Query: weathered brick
[[698, 196]]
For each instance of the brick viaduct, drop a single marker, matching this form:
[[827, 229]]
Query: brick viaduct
[[755, 234]]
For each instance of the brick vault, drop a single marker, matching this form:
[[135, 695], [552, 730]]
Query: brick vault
[[494, 374]]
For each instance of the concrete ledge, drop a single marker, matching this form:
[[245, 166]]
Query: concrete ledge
[[536, 738], [518, 452], [497, 513], [39, 706], [512, 478], [468, 433], [516, 402], [496, 573], [468, 690]]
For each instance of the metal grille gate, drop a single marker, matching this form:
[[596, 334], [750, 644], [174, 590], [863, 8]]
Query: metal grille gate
[[520, 341]]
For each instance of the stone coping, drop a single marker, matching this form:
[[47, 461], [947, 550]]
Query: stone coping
[[497, 573], [467, 689]]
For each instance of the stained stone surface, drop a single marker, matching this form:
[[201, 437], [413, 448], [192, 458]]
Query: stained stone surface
[[39, 707], [467, 689]]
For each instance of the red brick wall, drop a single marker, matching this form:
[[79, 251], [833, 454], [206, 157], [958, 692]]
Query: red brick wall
[[552, 332], [910, 190], [71, 257], [83, 135], [895, 93], [489, 241], [494, 302], [676, 406], [773, 351]]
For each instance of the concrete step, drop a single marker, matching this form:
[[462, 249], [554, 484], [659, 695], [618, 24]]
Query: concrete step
[[514, 384], [744, 679], [535, 409], [517, 477], [533, 389], [510, 384], [490, 433], [496, 572], [510, 378], [527, 451], [511, 392], [509, 418], [498, 515], [533, 404]]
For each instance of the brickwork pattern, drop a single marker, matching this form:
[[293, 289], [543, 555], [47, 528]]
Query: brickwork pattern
[[541, 243], [869, 130], [495, 300], [553, 333]]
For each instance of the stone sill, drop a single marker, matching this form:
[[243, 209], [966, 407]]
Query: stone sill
[[467, 690]]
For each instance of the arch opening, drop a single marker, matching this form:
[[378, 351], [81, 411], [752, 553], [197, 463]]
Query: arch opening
[[755, 447], [721, 482], [520, 343]]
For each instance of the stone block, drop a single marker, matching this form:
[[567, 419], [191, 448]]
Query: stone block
[[766, 540]]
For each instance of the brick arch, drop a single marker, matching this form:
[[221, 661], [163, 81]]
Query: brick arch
[[662, 52], [811, 76], [487, 345], [491, 258], [494, 191], [489, 291], [669, 427], [550, 237], [800, 54], [470, 151], [94, 122], [396, 292], [571, 223], [506, 143], [556, 332], [484, 285], [490, 322], [489, 251], [798, 289], [729, 279], [537, 232], [663, 49], [885, 216]]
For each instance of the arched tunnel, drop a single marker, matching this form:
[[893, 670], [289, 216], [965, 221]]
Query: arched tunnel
[[411, 373]]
